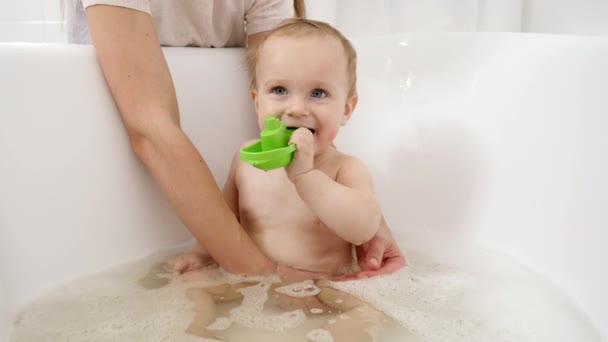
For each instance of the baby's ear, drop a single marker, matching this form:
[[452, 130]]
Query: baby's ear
[[349, 108], [254, 96]]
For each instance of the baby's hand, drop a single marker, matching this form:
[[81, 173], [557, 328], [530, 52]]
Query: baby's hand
[[303, 159], [188, 262]]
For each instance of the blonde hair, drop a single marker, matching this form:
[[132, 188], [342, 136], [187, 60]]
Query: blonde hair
[[300, 27], [299, 9]]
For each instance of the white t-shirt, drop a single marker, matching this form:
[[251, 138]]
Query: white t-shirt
[[205, 23]]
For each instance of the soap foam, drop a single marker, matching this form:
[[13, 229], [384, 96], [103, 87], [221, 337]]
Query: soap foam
[[302, 289], [320, 335], [456, 291], [451, 290], [249, 314]]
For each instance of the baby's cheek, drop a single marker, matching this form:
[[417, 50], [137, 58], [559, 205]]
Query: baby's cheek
[[330, 134], [262, 121]]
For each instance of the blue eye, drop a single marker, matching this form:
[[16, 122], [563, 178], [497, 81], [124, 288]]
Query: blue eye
[[318, 93], [279, 90]]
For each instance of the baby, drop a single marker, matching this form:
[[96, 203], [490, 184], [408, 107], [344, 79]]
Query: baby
[[309, 214]]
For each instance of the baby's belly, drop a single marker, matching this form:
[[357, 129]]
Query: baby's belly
[[312, 252]]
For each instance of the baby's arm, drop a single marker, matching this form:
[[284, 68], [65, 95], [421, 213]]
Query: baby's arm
[[230, 191], [346, 205]]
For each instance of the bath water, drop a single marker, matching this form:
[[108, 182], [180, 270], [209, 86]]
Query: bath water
[[451, 290]]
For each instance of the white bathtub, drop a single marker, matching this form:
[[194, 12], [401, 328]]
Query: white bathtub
[[495, 137]]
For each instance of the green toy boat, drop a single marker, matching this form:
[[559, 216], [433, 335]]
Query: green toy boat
[[272, 151]]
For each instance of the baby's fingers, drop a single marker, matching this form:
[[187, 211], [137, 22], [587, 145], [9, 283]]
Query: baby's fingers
[[303, 159], [301, 137], [185, 263]]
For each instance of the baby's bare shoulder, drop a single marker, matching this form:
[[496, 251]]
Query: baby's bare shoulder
[[352, 171], [341, 164], [344, 160], [236, 159]]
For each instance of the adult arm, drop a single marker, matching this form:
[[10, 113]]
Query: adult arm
[[137, 74]]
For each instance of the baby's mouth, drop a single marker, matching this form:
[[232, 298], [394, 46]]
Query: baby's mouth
[[312, 130]]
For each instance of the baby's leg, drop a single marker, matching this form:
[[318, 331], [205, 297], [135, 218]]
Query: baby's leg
[[227, 292], [204, 312], [156, 277], [204, 301], [357, 322]]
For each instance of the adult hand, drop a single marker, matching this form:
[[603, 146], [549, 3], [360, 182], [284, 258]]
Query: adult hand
[[380, 255]]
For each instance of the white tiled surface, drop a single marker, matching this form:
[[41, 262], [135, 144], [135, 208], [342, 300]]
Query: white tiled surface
[[40, 20], [20, 10], [581, 17], [30, 10], [366, 17], [4, 317], [32, 31], [31, 21]]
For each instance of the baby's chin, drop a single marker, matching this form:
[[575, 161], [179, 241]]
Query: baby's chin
[[322, 149]]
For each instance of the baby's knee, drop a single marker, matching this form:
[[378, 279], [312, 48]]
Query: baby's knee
[[339, 300], [227, 292]]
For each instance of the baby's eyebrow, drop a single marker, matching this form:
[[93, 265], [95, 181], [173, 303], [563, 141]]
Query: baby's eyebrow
[[314, 84], [274, 82], [324, 85]]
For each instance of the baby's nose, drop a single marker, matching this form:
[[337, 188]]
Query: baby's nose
[[298, 108]]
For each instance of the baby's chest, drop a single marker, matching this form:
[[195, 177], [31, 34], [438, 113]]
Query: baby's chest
[[268, 194]]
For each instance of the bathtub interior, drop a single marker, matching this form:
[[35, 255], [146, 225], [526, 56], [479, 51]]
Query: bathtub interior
[[494, 137], [75, 199]]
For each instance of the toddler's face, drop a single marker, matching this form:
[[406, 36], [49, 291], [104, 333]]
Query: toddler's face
[[304, 82]]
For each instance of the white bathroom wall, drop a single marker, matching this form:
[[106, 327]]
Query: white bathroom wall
[[431, 15], [4, 318], [368, 17], [41, 20], [31, 21], [581, 17], [500, 15], [324, 10]]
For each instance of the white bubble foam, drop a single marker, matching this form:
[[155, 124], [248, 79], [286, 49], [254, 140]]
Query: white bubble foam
[[457, 291], [305, 288], [320, 335], [250, 313], [451, 291], [220, 323]]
